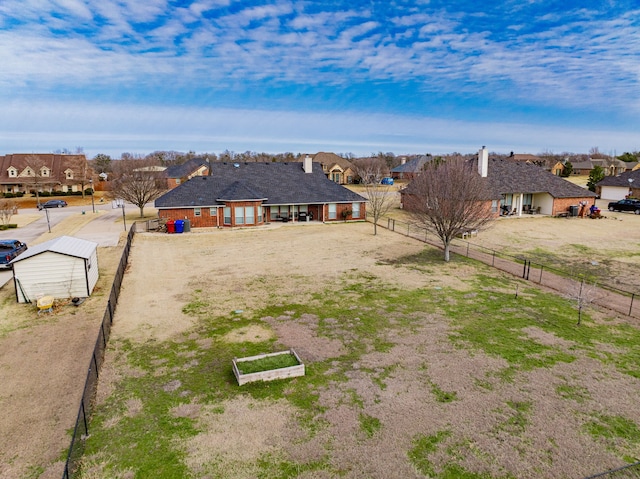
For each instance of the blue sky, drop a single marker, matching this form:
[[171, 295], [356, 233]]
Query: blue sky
[[419, 76]]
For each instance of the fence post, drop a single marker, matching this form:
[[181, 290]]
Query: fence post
[[633, 295], [493, 260], [541, 266], [467, 249]]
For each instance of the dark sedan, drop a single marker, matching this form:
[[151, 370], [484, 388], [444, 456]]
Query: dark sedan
[[53, 204], [625, 205], [9, 249]]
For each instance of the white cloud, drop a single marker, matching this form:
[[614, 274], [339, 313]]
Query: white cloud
[[108, 129]]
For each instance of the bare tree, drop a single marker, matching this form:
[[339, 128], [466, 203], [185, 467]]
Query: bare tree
[[380, 197], [138, 181], [8, 208], [37, 174], [583, 295], [449, 198], [82, 172]]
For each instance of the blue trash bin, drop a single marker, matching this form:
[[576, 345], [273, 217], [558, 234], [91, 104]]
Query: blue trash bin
[[179, 226]]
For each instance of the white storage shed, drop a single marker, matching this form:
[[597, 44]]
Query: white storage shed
[[63, 267]]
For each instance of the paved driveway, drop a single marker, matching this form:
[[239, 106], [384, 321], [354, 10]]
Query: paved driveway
[[104, 229]]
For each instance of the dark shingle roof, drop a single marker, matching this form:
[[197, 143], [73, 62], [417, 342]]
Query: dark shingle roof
[[412, 166], [506, 176], [275, 183], [185, 169], [621, 180]]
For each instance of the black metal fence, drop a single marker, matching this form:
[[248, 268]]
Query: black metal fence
[[529, 269], [630, 471], [81, 429]]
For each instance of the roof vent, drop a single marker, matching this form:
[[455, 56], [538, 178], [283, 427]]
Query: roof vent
[[236, 165]]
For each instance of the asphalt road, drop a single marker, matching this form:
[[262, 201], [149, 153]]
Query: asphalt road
[[104, 229]]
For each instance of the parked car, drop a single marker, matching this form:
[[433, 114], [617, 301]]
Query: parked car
[[9, 249], [625, 205], [53, 204]]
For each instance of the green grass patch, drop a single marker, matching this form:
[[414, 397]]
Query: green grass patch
[[369, 425], [620, 434], [443, 396], [576, 393]]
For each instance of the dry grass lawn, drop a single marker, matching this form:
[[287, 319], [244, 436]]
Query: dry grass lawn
[[411, 383], [364, 424]]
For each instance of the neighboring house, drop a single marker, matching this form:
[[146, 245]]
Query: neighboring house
[[550, 164], [521, 187], [178, 174], [619, 187], [252, 194], [408, 170], [611, 167], [337, 169], [44, 172], [63, 267]]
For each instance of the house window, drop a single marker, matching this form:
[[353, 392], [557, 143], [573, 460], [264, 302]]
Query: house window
[[249, 215], [197, 212], [335, 177], [177, 181], [355, 210], [259, 214], [44, 171], [494, 206], [13, 172], [333, 211], [227, 215], [69, 174], [239, 211], [213, 211]]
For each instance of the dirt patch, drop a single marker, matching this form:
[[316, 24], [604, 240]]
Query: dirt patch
[[232, 441], [252, 334]]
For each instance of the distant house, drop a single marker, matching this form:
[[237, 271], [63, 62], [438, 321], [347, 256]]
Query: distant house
[[63, 267], [26, 172], [178, 174], [520, 187], [337, 169], [550, 164], [252, 194], [611, 167], [408, 170], [619, 187]]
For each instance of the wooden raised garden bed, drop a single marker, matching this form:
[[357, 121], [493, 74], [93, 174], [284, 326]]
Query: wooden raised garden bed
[[267, 367]]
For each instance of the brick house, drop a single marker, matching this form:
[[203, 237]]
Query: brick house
[[521, 187], [337, 169], [178, 174], [252, 194], [26, 172], [619, 187], [408, 170]]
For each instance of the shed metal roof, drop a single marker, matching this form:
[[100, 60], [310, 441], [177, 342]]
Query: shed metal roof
[[66, 245]]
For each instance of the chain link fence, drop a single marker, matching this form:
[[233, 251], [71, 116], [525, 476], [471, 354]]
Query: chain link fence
[[530, 269]]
